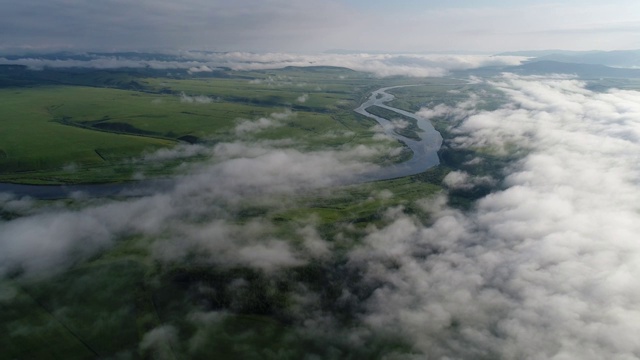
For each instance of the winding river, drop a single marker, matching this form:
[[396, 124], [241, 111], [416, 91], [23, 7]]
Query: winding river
[[425, 150], [424, 157]]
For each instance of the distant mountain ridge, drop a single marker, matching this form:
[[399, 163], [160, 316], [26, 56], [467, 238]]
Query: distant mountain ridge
[[616, 58], [541, 67], [540, 53], [548, 67]]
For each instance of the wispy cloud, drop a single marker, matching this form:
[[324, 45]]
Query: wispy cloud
[[302, 98], [245, 126], [197, 99], [49, 240]]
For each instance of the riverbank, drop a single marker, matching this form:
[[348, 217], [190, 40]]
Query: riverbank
[[425, 150]]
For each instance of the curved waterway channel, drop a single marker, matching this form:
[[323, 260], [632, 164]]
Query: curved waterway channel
[[425, 150], [424, 157]]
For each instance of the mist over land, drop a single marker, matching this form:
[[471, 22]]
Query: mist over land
[[260, 240]]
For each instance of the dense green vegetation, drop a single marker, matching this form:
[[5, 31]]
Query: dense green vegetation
[[35, 147], [105, 306]]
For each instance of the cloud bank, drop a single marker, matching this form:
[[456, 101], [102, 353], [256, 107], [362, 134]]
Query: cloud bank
[[543, 269], [378, 64]]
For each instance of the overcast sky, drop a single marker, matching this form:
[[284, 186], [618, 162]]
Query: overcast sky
[[312, 25]]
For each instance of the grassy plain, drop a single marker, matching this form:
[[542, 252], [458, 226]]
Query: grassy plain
[[75, 133], [430, 92]]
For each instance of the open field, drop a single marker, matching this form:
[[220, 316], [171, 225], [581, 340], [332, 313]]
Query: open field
[[446, 92], [76, 133], [32, 143], [431, 92]]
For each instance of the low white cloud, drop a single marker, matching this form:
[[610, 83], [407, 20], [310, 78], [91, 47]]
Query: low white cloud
[[464, 181], [286, 114], [159, 342], [50, 241], [11, 204], [199, 69], [313, 243], [226, 244], [338, 134], [542, 269], [253, 126], [437, 111], [462, 110], [198, 99], [399, 123]]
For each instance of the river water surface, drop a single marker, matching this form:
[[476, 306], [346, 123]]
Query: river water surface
[[425, 150]]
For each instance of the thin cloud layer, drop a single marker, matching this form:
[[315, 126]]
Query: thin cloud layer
[[253, 126], [49, 241], [378, 64], [198, 99]]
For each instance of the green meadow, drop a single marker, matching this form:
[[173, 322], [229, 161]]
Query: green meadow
[[90, 128]]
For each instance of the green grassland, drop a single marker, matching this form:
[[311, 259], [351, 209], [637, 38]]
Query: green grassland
[[432, 92], [85, 127], [446, 91], [31, 143]]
